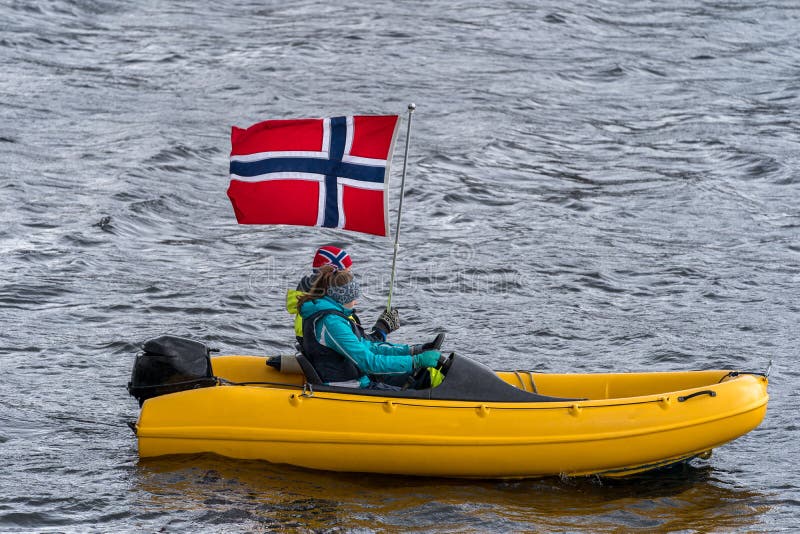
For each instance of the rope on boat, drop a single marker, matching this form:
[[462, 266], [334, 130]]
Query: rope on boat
[[226, 382], [522, 382], [494, 405], [734, 374], [309, 392]]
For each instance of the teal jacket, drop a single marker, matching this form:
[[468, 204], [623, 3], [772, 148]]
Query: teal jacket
[[371, 357]]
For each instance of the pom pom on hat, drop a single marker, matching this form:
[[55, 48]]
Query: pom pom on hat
[[335, 257]]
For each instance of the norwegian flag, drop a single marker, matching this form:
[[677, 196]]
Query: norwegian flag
[[314, 172]]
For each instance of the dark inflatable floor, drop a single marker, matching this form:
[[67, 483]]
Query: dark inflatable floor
[[466, 380]]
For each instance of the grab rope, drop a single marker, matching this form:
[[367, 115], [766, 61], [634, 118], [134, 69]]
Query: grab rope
[[734, 374], [522, 382], [494, 405], [224, 381]]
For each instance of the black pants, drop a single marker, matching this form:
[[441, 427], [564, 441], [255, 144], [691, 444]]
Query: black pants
[[383, 386]]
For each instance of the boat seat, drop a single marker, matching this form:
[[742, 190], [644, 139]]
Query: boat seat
[[308, 370]]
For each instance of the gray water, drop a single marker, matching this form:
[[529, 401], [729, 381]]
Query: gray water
[[592, 186]]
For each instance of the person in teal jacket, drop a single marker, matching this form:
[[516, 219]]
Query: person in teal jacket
[[339, 259], [337, 348]]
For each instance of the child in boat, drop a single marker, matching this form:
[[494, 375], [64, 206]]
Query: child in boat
[[339, 259], [336, 347]]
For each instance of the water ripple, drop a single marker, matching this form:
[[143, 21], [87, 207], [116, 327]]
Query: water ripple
[[591, 187]]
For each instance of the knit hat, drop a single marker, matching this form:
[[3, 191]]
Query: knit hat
[[346, 293], [335, 257]]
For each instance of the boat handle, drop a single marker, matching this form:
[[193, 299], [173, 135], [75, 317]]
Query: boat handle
[[709, 392]]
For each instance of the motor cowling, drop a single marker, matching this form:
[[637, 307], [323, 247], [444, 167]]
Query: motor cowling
[[168, 364]]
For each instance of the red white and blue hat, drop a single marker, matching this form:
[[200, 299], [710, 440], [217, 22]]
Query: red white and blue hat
[[335, 257]]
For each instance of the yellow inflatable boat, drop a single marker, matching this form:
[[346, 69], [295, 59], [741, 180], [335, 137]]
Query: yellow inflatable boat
[[477, 423]]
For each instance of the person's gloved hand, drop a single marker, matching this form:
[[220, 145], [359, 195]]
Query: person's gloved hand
[[430, 345], [429, 358], [388, 321]]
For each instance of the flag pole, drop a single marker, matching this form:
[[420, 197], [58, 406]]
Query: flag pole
[[411, 108]]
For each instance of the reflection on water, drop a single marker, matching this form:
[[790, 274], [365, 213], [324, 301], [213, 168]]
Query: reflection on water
[[215, 490]]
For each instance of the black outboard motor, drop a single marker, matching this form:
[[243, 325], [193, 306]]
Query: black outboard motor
[[169, 364]]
